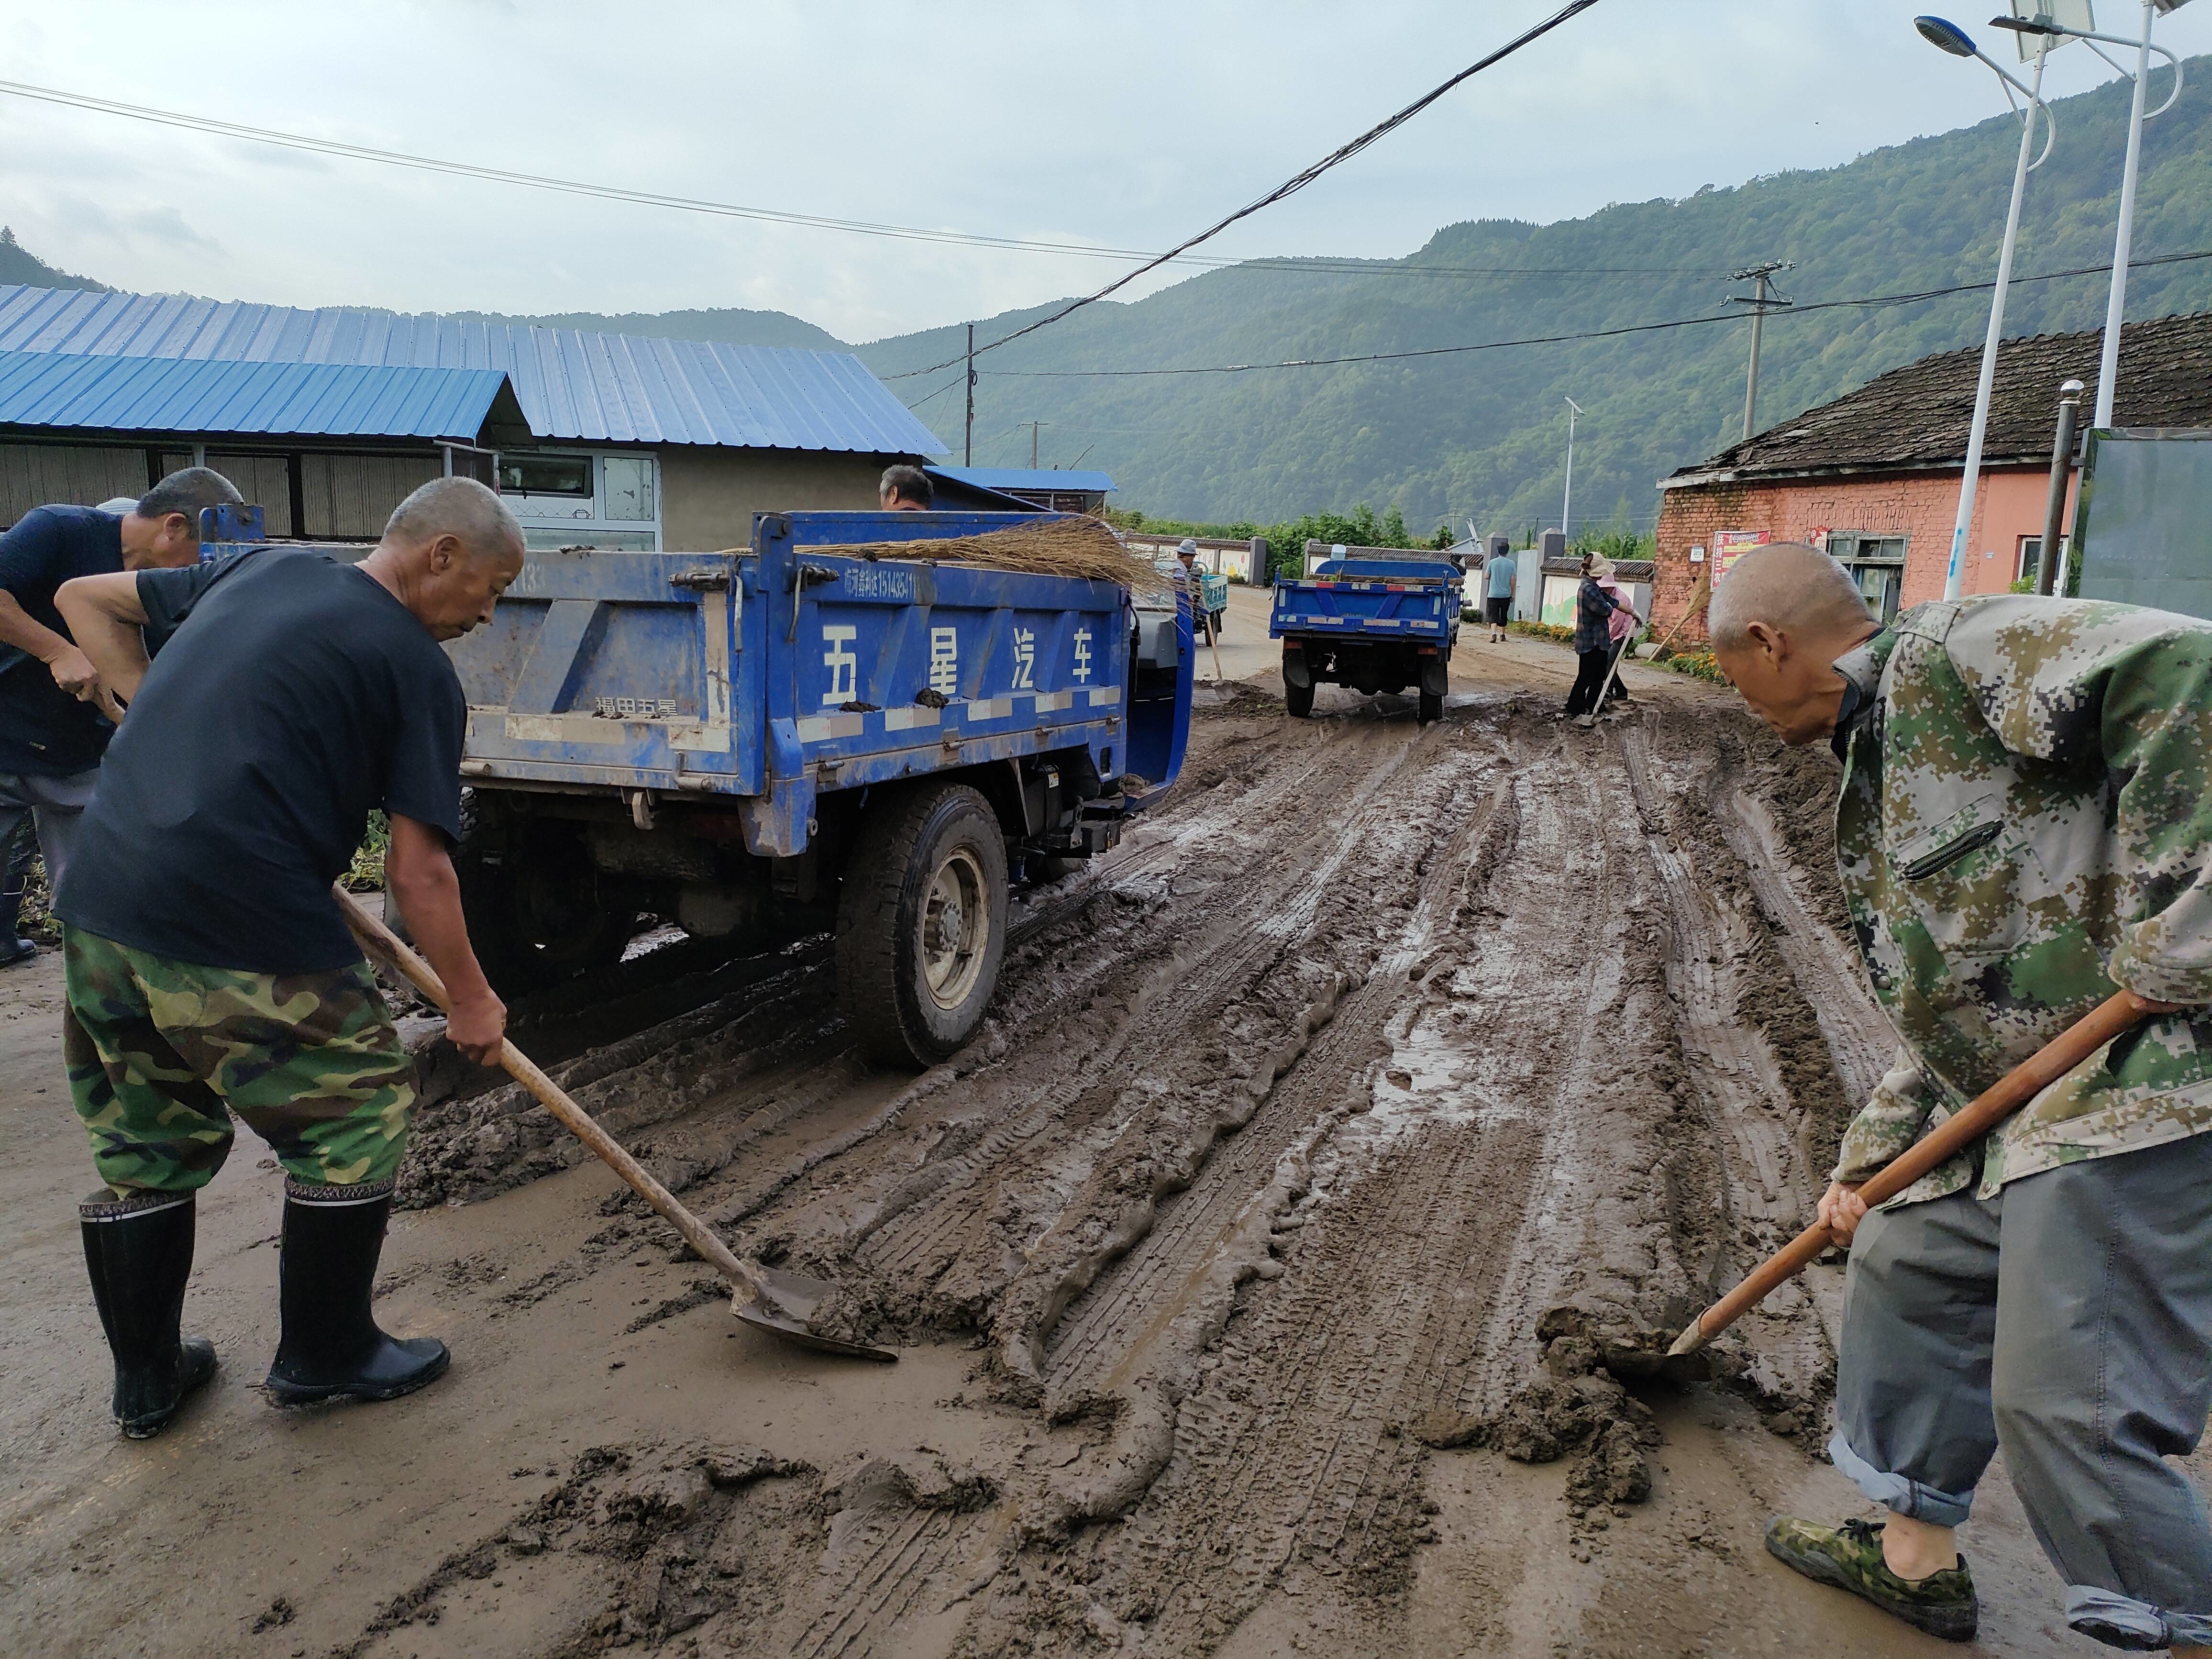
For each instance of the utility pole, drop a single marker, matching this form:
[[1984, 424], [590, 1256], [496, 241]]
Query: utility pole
[[1034, 425], [968, 450], [1567, 504], [1762, 296]]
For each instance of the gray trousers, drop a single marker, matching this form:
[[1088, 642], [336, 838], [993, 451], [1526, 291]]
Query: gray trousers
[[55, 803], [2067, 1320]]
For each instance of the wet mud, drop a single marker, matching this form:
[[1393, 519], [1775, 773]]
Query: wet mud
[[1287, 1266]]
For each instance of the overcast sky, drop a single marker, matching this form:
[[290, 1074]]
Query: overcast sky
[[1128, 125]]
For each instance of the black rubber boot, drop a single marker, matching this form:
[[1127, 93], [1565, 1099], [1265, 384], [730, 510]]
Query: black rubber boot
[[331, 1348], [14, 872], [138, 1251]]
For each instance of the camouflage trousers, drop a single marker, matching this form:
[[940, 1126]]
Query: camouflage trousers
[[161, 1053]]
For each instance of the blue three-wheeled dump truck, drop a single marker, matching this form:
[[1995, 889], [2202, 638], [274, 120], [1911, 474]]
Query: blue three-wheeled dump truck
[[810, 733], [1378, 623]]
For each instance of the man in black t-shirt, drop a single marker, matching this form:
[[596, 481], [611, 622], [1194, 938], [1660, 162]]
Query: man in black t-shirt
[[208, 966], [51, 731]]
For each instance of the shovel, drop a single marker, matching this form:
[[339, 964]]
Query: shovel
[[2116, 1014], [766, 1298]]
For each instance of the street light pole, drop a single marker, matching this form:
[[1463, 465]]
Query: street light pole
[[2055, 32], [1948, 37], [1566, 505], [2115, 304]]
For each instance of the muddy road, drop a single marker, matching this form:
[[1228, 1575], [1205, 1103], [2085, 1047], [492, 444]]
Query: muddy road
[[1275, 1273]]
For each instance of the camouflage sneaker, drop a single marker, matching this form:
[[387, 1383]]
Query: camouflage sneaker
[[1850, 1558]]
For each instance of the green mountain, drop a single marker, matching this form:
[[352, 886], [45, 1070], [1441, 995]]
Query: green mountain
[[18, 265], [1481, 435]]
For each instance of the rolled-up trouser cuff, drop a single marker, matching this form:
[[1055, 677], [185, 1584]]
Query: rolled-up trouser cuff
[[359, 1192], [104, 1205], [2121, 1621], [1897, 1493]]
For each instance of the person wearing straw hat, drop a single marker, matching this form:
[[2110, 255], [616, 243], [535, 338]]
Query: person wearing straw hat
[[2024, 822], [1594, 612]]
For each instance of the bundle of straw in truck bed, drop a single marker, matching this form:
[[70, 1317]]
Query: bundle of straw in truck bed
[[1072, 545]]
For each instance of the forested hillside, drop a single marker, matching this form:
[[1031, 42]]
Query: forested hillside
[[1480, 436]]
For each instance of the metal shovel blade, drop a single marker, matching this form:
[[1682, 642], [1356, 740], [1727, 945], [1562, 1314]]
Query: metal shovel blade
[[790, 1301]]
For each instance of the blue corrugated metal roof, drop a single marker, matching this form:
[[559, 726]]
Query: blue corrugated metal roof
[[1028, 477], [622, 388], [169, 394]]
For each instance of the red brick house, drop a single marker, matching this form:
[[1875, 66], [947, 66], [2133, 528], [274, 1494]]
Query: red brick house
[[1873, 476]]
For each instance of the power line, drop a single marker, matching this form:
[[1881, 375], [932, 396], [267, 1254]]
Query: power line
[[1293, 185], [1879, 299]]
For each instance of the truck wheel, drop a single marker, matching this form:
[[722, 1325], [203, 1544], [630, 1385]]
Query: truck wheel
[[922, 924], [1432, 709], [1299, 700]]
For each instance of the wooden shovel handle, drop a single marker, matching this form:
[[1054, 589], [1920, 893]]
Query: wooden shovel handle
[[2110, 1018], [387, 948]]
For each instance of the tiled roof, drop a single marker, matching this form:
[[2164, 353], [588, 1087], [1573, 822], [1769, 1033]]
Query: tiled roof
[[1918, 416], [615, 388]]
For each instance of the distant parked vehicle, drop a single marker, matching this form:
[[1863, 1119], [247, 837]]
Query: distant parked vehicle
[[1375, 624]]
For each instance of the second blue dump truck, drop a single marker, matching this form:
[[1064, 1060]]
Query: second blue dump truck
[[811, 733], [1375, 624]]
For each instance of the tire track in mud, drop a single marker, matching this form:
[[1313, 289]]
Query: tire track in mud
[[1288, 1124], [1409, 1262], [1093, 1216]]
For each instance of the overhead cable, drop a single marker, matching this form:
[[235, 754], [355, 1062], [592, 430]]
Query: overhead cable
[[1800, 310], [1290, 187]]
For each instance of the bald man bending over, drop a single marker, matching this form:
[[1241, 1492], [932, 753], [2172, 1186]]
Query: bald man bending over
[[208, 969], [2024, 822]]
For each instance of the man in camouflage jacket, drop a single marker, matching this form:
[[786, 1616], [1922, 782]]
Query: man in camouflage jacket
[[2024, 822]]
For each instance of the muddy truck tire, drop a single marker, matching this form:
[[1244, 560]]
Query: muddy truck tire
[[921, 925]]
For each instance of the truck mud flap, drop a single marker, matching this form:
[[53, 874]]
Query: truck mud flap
[[1436, 675], [1295, 672]]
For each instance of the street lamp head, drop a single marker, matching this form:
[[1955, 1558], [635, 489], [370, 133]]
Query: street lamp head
[[1945, 36], [2072, 389]]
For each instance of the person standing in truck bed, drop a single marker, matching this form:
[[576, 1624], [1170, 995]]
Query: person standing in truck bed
[[208, 969]]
